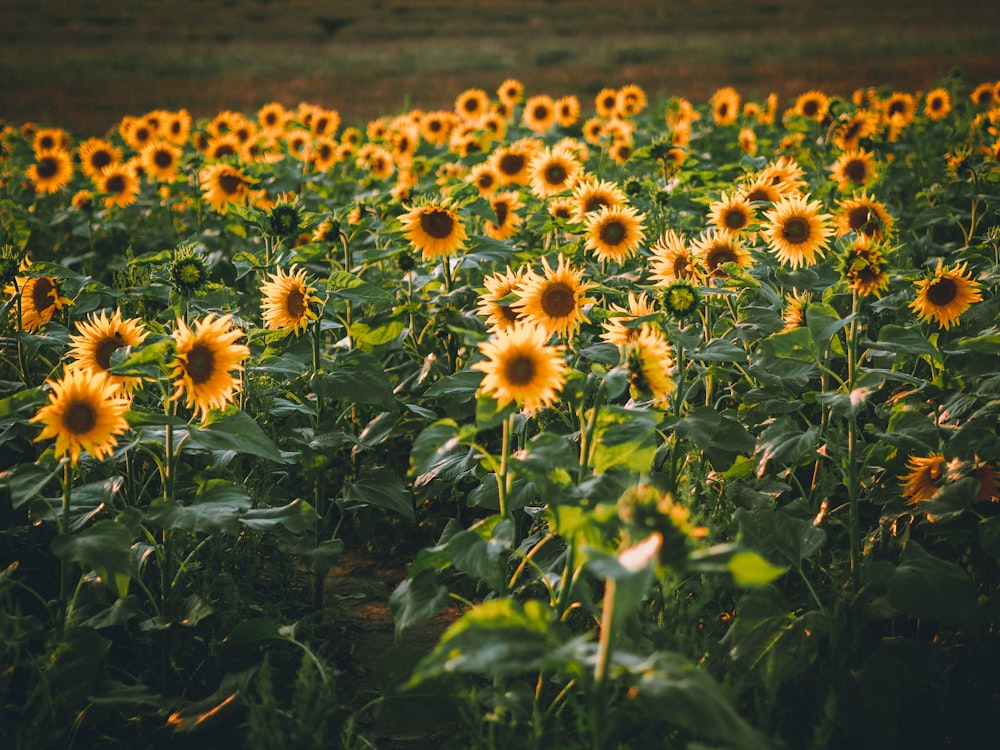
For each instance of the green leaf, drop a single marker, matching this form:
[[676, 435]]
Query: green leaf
[[350, 287], [234, 430], [459, 387], [750, 569], [297, 517], [434, 444], [357, 377], [786, 443], [147, 362], [849, 405], [25, 482], [216, 509], [780, 537], [624, 438], [105, 547], [368, 336], [930, 588], [380, 488], [909, 340], [22, 404], [416, 600]]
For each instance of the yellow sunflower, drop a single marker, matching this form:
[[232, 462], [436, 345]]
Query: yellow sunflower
[[472, 104], [96, 154], [725, 103], [513, 162], [784, 175], [671, 259], [616, 328], [731, 213], [494, 303], [562, 208], [847, 134], [510, 92], [99, 337], [485, 177], [553, 170], [921, 481], [50, 139], [651, 366], [797, 232], [506, 205], [177, 126], [206, 357], [434, 229], [521, 367], [900, 108], [592, 193], [436, 127], [86, 412], [273, 117], [161, 159], [555, 298], [983, 95], [120, 185], [40, 300], [631, 100], [854, 168], [539, 113], [222, 184], [812, 104], [567, 111], [937, 104], [712, 249], [606, 103], [761, 190], [946, 295], [51, 172], [864, 267], [794, 312], [864, 215], [613, 233], [288, 300]]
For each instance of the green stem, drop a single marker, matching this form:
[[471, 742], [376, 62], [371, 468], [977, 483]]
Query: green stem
[[598, 716], [64, 522], [503, 474], [854, 512]]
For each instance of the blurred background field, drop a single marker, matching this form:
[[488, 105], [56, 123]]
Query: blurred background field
[[83, 65]]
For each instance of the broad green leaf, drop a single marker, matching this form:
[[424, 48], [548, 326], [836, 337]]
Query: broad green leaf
[[931, 588], [350, 287], [25, 482], [624, 438], [22, 404], [104, 547], [459, 387], [904, 340], [297, 517], [367, 336], [146, 362], [824, 323], [780, 537], [216, 509], [416, 600], [849, 405], [547, 461], [750, 569], [234, 430], [357, 377], [786, 443], [380, 488]]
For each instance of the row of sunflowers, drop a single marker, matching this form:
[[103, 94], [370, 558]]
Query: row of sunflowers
[[641, 385]]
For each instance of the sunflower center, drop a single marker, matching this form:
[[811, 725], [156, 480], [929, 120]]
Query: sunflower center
[[105, 348], [856, 170], [163, 158], [555, 174], [558, 300], [43, 294], [593, 203], [864, 221], [115, 184], [79, 417], [500, 207], [795, 230], [437, 223], [717, 256], [100, 159], [541, 112], [47, 167], [942, 291], [485, 181], [295, 303], [810, 108], [230, 183], [519, 370], [734, 218], [200, 364], [511, 164], [223, 149], [613, 233]]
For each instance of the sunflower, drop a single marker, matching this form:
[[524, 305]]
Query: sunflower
[[375, 159], [85, 412], [784, 174], [794, 313], [485, 177], [921, 481], [434, 229], [567, 111], [506, 205], [222, 184], [539, 113], [513, 162], [472, 104], [96, 154], [983, 95], [51, 172], [651, 365], [120, 185], [681, 299], [864, 268], [616, 328], [748, 141], [273, 117], [40, 300], [937, 104], [136, 132], [713, 249], [864, 215], [848, 133], [49, 139], [436, 127], [553, 170], [725, 103], [671, 259], [555, 298], [613, 233], [206, 356], [288, 301], [176, 126], [946, 295], [521, 367], [812, 104], [160, 160], [325, 153], [83, 200], [99, 337], [796, 231], [731, 213], [591, 194], [494, 303], [900, 108], [854, 168], [563, 209], [620, 151], [510, 92], [761, 190], [631, 100], [606, 103]]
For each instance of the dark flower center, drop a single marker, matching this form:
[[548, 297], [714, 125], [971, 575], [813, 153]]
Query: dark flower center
[[717, 256], [810, 108], [795, 230], [864, 221], [100, 159], [501, 209], [735, 218], [163, 158], [555, 174], [295, 304], [558, 300], [613, 233], [200, 365], [520, 370], [230, 183], [511, 164], [856, 170], [48, 167], [105, 348], [437, 223], [115, 184], [79, 417], [43, 294], [942, 291]]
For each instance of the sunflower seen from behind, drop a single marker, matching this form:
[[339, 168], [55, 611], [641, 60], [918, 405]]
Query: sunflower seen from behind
[[864, 267], [946, 295], [288, 301], [521, 367], [434, 228], [100, 336], [797, 231], [554, 299], [651, 366], [206, 358], [86, 412]]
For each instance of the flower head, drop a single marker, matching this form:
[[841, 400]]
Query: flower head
[[288, 300], [554, 299], [521, 367], [946, 295], [207, 355], [101, 336]]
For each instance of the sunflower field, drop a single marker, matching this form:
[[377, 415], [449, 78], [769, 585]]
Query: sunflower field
[[661, 424]]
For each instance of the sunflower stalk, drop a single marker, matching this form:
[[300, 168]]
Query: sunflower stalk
[[852, 478], [65, 566]]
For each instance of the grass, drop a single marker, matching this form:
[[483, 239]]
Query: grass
[[83, 66]]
